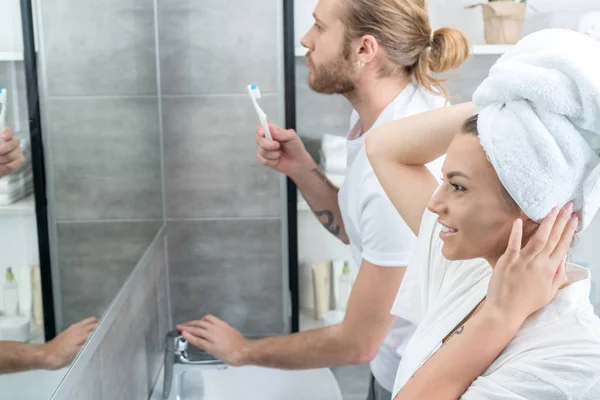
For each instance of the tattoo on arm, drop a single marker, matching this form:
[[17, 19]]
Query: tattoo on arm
[[460, 330], [329, 225], [322, 177]]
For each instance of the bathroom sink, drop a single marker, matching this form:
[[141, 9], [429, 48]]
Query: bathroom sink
[[192, 382]]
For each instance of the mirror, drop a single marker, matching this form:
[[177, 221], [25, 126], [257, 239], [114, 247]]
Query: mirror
[[100, 126]]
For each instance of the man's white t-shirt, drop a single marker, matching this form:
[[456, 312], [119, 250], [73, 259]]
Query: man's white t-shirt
[[376, 231], [554, 356]]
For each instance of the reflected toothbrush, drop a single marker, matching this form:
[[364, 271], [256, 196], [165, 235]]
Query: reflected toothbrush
[[3, 100], [254, 93]]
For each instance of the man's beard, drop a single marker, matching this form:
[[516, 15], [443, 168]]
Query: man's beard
[[333, 77]]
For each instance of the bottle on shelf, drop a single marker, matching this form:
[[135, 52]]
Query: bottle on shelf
[[11, 294], [345, 286]]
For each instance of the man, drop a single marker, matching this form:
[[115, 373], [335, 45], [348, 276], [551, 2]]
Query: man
[[379, 58], [59, 352]]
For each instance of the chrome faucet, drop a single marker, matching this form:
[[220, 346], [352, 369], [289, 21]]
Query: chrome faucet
[[176, 352]]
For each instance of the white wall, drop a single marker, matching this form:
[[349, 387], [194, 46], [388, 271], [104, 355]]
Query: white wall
[[451, 13], [11, 38]]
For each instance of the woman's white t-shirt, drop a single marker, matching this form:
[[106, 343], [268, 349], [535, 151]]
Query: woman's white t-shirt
[[555, 354], [376, 231]]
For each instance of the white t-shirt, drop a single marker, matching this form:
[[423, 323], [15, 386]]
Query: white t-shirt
[[554, 356], [376, 231]]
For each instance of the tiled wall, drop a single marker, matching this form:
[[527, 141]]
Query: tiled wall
[[131, 339], [224, 212], [461, 83], [100, 110]]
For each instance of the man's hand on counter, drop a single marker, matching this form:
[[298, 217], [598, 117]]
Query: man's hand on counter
[[217, 338]]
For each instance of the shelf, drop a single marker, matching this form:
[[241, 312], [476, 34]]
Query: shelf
[[10, 56], [22, 207], [490, 49], [478, 49]]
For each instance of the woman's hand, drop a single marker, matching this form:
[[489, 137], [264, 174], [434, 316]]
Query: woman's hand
[[526, 279]]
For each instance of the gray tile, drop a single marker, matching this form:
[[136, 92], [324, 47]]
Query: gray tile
[[353, 381], [153, 351], [316, 113], [162, 282], [132, 343], [146, 310], [462, 82], [89, 385], [124, 373], [105, 156], [211, 168], [232, 269], [150, 310], [95, 259], [105, 48], [218, 46]]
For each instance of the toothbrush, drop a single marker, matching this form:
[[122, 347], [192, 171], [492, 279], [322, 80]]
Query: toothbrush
[[3, 100], [254, 93]]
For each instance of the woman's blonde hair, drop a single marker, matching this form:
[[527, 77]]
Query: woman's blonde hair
[[402, 29]]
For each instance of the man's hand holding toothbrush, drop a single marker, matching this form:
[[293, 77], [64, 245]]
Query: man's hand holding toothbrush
[[285, 153], [11, 155]]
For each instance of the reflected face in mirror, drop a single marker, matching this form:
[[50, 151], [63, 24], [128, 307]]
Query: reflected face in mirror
[[330, 69]]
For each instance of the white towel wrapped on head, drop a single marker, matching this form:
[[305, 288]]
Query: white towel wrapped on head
[[539, 115]]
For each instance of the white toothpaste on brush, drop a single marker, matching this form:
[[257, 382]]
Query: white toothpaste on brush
[[254, 93]]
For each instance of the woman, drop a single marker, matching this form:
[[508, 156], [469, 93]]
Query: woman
[[524, 328]]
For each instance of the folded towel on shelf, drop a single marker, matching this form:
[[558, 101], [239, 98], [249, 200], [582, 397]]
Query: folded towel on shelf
[[335, 165], [539, 122], [17, 179], [16, 195]]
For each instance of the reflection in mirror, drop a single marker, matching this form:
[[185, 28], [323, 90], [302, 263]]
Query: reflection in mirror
[[78, 213]]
